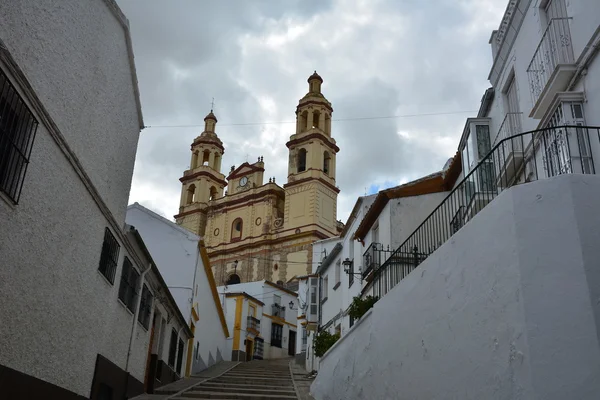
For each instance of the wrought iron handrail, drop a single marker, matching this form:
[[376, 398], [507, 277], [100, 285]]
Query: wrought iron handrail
[[373, 257], [554, 48], [546, 152], [253, 323], [278, 310], [511, 125]]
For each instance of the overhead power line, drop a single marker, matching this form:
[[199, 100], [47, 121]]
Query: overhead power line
[[335, 120]]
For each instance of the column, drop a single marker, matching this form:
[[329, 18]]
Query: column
[[322, 120], [309, 119], [211, 160]]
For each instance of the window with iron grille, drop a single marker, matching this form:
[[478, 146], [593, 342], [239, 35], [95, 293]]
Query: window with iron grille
[[109, 256], [179, 357], [129, 283], [276, 334], [173, 348], [18, 127], [145, 307]]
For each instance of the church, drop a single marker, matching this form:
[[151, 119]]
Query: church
[[255, 230]]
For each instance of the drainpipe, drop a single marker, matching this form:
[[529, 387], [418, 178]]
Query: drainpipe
[[135, 315]]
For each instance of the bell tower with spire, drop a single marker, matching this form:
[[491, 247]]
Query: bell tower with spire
[[311, 192], [203, 182]]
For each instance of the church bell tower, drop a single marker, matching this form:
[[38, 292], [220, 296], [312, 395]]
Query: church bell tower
[[311, 192], [203, 182]]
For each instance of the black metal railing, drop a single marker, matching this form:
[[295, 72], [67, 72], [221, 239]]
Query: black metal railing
[[544, 153], [253, 323], [373, 257], [278, 310]]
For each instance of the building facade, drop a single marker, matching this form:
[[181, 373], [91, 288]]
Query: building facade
[[182, 259], [256, 230], [70, 120], [262, 318]]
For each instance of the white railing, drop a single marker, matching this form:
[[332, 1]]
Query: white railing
[[555, 48]]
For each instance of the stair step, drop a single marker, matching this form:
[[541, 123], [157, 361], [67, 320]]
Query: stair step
[[229, 374], [242, 390], [254, 382], [233, 396], [235, 385]]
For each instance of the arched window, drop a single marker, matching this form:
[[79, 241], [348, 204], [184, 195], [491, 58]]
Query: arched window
[[236, 229], [191, 194], [302, 160], [315, 121], [194, 160], [205, 157], [234, 279], [326, 162], [212, 193], [303, 121]]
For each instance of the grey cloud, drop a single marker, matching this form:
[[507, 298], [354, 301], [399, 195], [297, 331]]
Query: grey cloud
[[409, 57]]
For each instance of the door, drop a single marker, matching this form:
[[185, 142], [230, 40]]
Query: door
[[249, 349], [292, 344]]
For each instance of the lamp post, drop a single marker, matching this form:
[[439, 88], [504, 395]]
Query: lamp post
[[348, 269]]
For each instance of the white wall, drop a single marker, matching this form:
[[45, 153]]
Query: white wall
[[510, 299], [175, 251], [50, 243], [75, 56]]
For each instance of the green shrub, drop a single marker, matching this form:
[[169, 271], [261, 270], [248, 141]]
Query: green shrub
[[323, 342], [359, 306]]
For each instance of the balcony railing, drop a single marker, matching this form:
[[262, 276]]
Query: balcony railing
[[555, 48], [253, 323], [547, 152], [278, 310], [373, 258]]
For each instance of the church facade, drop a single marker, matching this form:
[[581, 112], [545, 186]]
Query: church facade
[[256, 230]]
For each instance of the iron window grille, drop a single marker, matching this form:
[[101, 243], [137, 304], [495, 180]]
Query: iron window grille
[[276, 334], [18, 127], [173, 348], [109, 256], [145, 307], [179, 357], [129, 283]]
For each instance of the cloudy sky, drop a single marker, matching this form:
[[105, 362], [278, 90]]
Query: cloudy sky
[[378, 58]]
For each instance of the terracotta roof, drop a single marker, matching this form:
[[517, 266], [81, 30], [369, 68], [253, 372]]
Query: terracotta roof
[[434, 183]]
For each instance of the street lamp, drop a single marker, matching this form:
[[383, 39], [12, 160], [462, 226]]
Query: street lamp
[[292, 305], [347, 263]]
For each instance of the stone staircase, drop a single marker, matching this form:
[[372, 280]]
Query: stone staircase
[[255, 380]]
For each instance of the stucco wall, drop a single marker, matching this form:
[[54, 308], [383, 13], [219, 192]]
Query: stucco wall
[[61, 45], [511, 299]]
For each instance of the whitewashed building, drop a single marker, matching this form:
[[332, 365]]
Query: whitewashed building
[[507, 269], [262, 319], [182, 259], [70, 120]]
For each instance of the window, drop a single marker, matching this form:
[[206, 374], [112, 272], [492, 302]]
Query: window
[[338, 271], [205, 157], [129, 283], [313, 296], [236, 229], [145, 307], [197, 351], [304, 339], [375, 235], [302, 160], [351, 321], [109, 256], [173, 348], [351, 273], [17, 133], [326, 162], [213, 193], [325, 285], [179, 357], [276, 334], [191, 194]]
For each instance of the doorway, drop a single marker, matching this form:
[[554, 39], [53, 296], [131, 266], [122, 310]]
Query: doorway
[[292, 344], [249, 349]]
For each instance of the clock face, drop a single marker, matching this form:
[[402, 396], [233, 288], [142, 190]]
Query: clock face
[[244, 181]]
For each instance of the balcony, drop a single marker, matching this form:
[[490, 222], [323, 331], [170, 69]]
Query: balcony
[[277, 310], [373, 258], [253, 325], [565, 149], [552, 65], [511, 151]]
